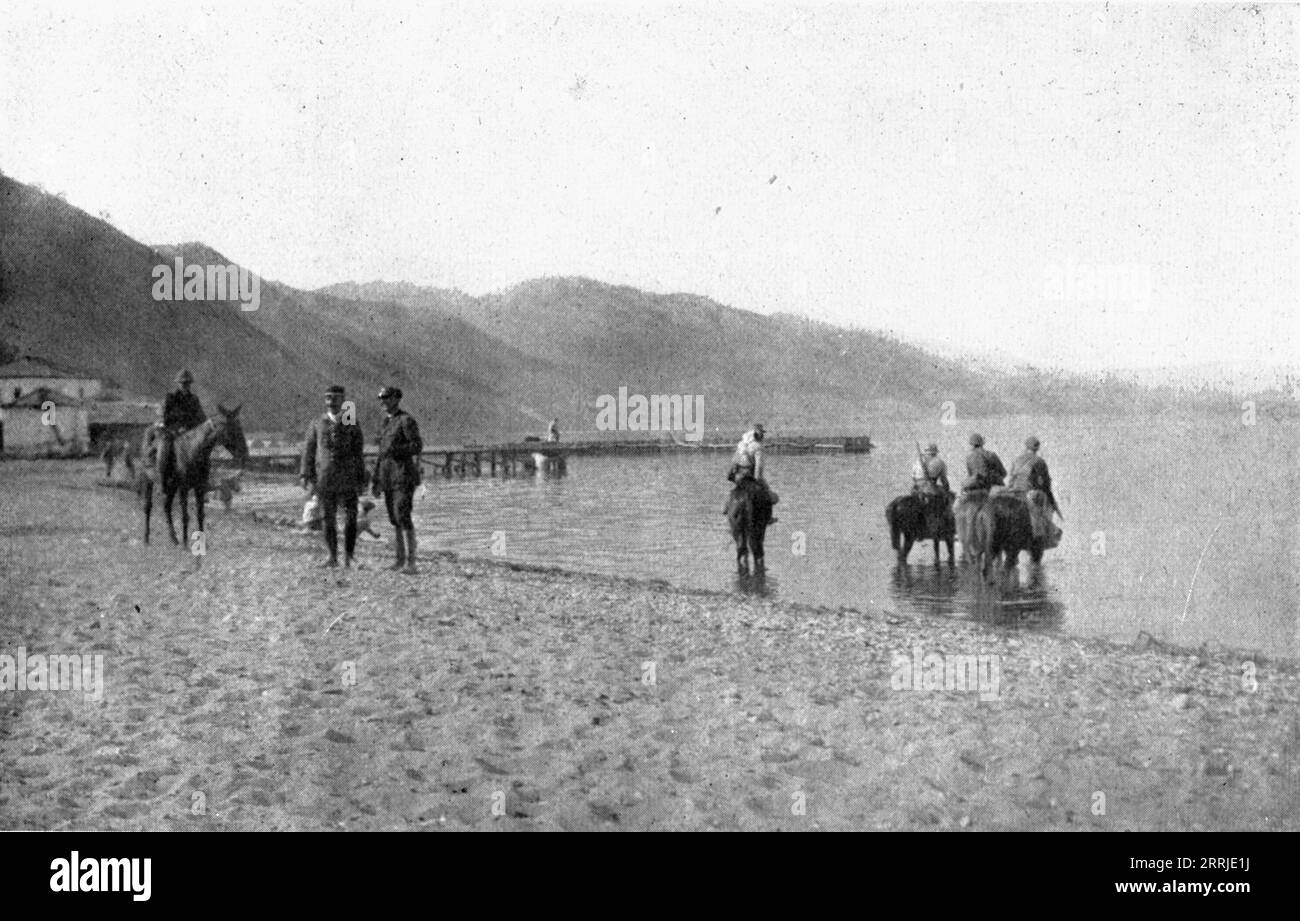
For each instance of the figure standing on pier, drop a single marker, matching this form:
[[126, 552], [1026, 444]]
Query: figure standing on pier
[[553, 431], [397, 474]]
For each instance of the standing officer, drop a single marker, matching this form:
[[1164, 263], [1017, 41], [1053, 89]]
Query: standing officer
[[335, 470], [397, 473]]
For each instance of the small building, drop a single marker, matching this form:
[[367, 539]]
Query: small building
[[44, 423], [26, 375]]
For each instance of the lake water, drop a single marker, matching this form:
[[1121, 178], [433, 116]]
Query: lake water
[[1184, 529]]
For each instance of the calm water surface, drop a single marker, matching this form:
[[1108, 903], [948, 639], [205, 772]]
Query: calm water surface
[[1182, 529]]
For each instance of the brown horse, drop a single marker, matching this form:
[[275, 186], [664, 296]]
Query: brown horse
[[909, 524], [188, 470], [748, 513]]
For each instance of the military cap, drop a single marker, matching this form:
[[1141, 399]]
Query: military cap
[[387, 392]]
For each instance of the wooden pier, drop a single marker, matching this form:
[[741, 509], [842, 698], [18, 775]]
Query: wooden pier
[[525, 458]]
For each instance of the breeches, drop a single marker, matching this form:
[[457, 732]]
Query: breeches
[[399, 502], [329, 504]]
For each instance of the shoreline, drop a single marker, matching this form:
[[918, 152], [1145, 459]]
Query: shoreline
[[491, 694]]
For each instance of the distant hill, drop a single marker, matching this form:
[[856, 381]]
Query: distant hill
[[76, 291]]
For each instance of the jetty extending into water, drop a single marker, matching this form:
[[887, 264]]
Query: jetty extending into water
[[527, 457]]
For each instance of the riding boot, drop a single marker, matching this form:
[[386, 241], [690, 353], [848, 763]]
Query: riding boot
[[331, 542], [400, 541], [410, 552]]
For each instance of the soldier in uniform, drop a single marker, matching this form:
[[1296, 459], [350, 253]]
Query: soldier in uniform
[[397, 473], [181, 412], [334, 469], [747, 464], [1030, 477], [930, 483], [983, 467]]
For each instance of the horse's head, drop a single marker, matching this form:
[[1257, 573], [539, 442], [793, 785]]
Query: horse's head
[[230, 434]]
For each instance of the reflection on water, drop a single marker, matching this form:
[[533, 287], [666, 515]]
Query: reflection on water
[[759, 584], [1128, 560], [1004, 600]]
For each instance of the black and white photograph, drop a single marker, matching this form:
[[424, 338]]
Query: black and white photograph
[[752, 417]]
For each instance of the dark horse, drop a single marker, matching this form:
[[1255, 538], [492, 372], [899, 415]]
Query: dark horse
[[909, 522], [748, 515], [188, 470], [1003, 528]]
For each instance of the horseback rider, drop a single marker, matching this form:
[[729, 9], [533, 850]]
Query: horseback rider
[[984, 468], [1030, 477], [181, 412], [930, 483], [747, 466]]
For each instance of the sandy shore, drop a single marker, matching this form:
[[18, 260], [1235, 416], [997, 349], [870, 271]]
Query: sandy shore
[[258, 692]]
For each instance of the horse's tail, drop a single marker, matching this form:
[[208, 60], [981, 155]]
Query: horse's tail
[[895, 532]]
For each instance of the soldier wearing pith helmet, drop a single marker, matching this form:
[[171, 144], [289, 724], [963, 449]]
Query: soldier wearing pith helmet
[[181, 412]]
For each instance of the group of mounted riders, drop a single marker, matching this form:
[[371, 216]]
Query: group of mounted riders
[[338, 479], [1029, 481]]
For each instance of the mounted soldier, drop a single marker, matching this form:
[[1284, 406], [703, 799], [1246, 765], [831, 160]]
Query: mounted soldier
[[983, 468], [181, 412], [1029, 477], [747, 467], [930, 484]]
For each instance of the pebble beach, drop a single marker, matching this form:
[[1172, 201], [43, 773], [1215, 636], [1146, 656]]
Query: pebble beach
[[248, 689]]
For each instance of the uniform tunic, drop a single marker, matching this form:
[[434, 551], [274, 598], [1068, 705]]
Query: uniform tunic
[[332, 458], [985, 469], [182, 411], [397, 470], [1029, 472], [930, 477]]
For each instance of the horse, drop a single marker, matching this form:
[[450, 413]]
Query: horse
[[909, 522], [965, 512], [188, 470], [1003, 528], [749, 518]]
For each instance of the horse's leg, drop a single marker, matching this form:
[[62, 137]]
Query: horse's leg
[[146, 491], [936, 551], [951, 560], [185, 515], [199, 495], [906, 549], [169, 493], [756, 546]]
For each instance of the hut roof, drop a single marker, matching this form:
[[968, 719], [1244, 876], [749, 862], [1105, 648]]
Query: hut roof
[[35, 398], [35, 367]]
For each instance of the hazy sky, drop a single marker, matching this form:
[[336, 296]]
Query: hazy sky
[[1073, 185]]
